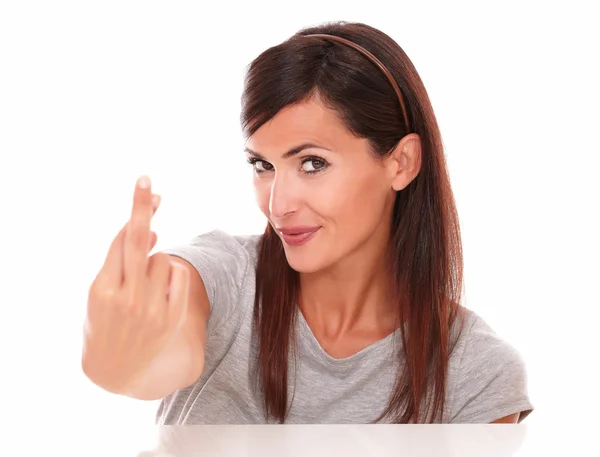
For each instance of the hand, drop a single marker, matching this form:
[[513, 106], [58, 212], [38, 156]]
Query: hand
[[136, 303]]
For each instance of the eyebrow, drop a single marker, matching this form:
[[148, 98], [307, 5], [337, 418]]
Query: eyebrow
[[292, 152]]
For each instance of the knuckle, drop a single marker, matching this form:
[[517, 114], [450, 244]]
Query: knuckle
[[161, 259], [94, 290], [132, 311], [156, 320], [159, 263], [102, 292], [128, 303]]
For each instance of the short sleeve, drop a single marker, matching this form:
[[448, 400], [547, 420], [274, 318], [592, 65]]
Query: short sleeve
[[223, 262], [492, 379]]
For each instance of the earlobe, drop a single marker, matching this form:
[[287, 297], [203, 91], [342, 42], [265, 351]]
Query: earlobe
[[407, 159]]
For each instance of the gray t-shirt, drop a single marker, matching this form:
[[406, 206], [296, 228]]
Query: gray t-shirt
[[486, 376]]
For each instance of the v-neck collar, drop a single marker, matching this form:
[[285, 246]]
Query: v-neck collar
[[361, 356]]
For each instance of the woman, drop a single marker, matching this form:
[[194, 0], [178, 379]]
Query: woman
[[346, 310]]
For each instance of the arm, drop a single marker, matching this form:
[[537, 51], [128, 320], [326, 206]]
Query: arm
[[511, 419], [491, 384], [144, 332]]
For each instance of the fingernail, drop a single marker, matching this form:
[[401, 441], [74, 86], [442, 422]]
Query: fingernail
[[155, 200], [144, 182]]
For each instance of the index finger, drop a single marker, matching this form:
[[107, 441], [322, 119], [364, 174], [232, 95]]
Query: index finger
[[137, 233]]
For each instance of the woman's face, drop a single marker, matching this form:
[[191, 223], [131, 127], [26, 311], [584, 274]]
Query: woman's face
[[321, 188]]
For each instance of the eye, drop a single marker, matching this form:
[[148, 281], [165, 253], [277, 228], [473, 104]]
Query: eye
[[259, 165], [313, 164]]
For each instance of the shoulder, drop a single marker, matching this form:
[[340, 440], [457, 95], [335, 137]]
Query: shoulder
[[481, 339], [490, 376], [218, 248], [249, 243], [221, 240], [484, 348], [226, 263]]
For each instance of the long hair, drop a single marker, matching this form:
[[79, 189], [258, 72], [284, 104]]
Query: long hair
[[425, 246]]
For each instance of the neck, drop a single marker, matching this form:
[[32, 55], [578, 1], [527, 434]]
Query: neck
[[352, 295]]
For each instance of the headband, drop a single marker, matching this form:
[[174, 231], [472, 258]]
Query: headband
[[376, 61]]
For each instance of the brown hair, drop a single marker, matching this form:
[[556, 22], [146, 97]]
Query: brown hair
[[425, 246]]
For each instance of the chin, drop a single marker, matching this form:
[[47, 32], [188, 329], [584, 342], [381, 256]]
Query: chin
[[305, 262], [312, 257]]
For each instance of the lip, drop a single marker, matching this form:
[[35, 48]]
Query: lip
[[297, 236]]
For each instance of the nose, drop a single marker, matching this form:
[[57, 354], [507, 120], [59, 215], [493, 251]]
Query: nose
[[283, 199]]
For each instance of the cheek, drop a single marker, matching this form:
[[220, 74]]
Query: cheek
[[362, 202]]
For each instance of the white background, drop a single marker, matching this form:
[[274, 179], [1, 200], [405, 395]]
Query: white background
[[94, 94]]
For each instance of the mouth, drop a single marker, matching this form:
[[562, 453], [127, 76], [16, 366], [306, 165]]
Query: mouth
[[297, 236]]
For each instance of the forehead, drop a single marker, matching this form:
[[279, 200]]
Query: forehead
[[308, 120]]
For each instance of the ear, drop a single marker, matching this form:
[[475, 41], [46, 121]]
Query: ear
[[404, 162]]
